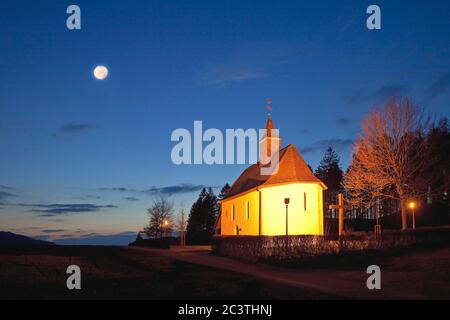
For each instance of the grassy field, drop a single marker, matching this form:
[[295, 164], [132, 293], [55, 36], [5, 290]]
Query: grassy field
[[126, 273], [120, 273]]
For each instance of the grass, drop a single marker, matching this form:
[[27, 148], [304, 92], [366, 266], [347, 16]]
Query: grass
[[119, 273]]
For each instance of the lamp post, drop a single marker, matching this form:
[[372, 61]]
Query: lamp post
[[412, 206], [286, 202]]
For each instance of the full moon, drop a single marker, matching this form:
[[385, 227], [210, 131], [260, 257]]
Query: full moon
[[100, 72]]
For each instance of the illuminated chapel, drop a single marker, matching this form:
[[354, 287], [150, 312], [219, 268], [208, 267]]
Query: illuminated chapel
[[287, 202]]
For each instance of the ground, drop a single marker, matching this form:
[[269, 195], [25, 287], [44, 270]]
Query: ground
[[143, 273]]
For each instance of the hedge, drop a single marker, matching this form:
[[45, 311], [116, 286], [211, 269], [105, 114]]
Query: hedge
[[257, 248]]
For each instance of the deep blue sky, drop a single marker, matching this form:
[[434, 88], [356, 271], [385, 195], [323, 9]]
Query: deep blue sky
[[67, 138]]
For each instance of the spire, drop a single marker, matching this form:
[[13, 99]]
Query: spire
[[270, 142], [269, 126]]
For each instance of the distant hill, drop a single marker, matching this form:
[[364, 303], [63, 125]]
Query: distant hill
[[12, 239], [119, 239]]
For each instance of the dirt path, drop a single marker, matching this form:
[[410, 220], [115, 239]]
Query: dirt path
[[418, 275]]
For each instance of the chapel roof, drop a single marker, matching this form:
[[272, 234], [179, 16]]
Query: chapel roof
[[292, 168]]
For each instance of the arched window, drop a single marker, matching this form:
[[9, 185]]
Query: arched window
[[304, 201], [247, 209]]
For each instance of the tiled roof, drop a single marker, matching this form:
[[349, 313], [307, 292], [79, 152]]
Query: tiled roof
[[292, 168]]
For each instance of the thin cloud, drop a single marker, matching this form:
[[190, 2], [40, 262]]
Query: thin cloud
[[52, 230], [439, 87], [75, 128], [304, 131], [175, 189], [88, 197], [155, 191], [131, 199], [91, 234], [223, 77], [56, 220], [379, 95], [121, 189], [252, 61], [343, 122], [51, 210], [322, 145], [4, 194]]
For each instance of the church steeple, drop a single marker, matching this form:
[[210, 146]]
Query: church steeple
[[270, 142], [269, 126]]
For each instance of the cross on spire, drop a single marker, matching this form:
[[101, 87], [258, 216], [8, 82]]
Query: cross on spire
[[269, 106]]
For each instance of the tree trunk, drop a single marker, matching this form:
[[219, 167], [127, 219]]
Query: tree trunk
[[404, 214]]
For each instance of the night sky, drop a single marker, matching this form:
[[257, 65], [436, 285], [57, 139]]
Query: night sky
[[81, 157]]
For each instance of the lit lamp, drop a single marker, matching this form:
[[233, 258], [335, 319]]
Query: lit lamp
[[165, 226], [412, 206]]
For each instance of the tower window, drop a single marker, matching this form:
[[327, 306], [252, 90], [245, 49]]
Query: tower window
[[232, 212]]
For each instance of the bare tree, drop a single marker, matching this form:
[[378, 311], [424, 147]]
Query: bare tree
[[160, 218], [389, 156], [181, 220]]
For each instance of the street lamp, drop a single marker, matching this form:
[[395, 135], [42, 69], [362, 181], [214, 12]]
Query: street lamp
[[286, 202], [412, 206]]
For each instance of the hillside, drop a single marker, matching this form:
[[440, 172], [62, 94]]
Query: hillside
[[12, 239]]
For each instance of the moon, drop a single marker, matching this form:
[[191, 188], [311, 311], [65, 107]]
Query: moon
[[100, 72]]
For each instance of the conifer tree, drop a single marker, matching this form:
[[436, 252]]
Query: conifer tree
[[202, 217], [330, 172], [223, 192]]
